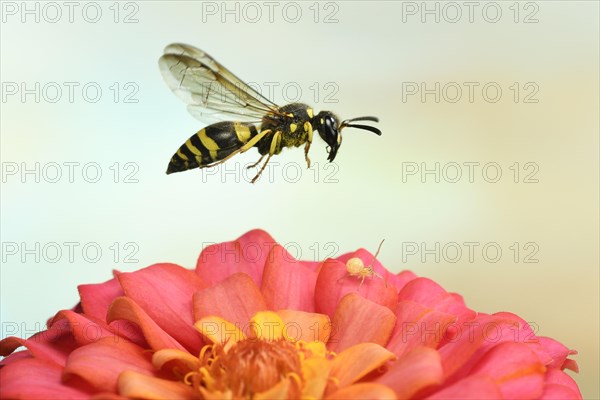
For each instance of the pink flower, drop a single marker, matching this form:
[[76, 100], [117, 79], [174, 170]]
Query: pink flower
[[253, 322]]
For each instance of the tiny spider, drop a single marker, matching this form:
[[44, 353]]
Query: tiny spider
[[356, 267]]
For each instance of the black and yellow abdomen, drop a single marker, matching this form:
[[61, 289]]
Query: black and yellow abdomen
[[210, 144]]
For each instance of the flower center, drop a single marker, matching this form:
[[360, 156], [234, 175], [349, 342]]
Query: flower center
[[251, 366]]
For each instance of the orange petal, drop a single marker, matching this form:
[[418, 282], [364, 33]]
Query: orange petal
[[315, 372], [236, 300], [124, 308], [358, 320], [415, 371], [368, 391], [136, 385], [219, 330], [178, 362], [267, 325], [280, 391], [357, 361], [300, 325]]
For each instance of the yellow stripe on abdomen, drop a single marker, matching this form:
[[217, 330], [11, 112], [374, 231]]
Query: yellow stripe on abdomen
[[242, 131], [193, 148], [209, 143]]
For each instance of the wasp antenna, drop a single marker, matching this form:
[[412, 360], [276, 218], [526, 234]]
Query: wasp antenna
[[365, 127], [374, 119]]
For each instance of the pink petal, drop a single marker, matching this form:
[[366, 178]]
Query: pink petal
[[557, 392], [82, 329], [107, 396], [100, 363], [358, 320], [471, 388], [287, 283], [165, 293], [52, 345], [247, 254], [95, 301], [17, 356], [515, 368], [560, 386], [415, 371], [124, 308], [428, 293], [96, 298], [401, 279], [558, 353], [474, 339], [333, 283], [236, 300], [314, 266], [417, 325], [370, 391], [38, 379]]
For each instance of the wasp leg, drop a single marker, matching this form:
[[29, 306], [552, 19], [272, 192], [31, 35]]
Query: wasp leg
[[256, 163], [274, 145], [242, 149], [307, 146], [262, 169]]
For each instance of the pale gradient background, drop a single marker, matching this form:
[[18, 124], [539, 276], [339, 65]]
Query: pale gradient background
[[368, 53]]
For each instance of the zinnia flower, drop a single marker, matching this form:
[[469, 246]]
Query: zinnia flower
[[251, 322]]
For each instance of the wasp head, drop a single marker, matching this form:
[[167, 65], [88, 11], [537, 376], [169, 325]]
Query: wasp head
[[330, 130]]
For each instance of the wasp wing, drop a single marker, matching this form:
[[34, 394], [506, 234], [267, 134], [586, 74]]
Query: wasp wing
[[211, 91]]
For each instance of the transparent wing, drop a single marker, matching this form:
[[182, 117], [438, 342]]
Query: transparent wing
[[211, 91]]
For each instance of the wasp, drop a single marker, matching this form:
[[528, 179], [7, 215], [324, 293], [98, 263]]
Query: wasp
[[245, 118]]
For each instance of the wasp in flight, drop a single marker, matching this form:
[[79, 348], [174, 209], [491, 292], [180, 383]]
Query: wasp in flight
[[246, 118]]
